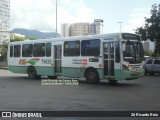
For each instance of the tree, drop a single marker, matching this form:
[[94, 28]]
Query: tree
[[31, 38], [17, 39], [3, 50], [142, 32], [151, 29]]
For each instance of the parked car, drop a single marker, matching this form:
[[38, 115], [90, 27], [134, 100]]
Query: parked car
[[152, 66]]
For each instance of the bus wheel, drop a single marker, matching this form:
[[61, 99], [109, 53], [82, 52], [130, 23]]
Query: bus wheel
[[92, 76], [52, 77], [32, 74]]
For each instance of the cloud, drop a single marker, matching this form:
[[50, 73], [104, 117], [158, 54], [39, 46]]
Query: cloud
[[136, 19], [41, 15]]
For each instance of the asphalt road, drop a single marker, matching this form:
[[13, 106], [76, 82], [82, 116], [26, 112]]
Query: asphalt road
[[18, 93]]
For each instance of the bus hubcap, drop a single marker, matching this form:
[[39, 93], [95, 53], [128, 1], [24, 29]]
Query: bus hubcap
[[92, 75]]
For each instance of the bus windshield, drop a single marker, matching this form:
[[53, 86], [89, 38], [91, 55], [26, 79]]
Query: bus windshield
[[133, 51]]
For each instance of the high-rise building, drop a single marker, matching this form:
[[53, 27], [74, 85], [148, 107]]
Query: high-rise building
[[96, 27], [76, 29], [4, 20], [64, 30]]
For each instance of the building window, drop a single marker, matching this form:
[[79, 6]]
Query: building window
[[17, 50], [39, 50], [48, 49], [11, 51], [90, 47], [27, 50], [72, 48]]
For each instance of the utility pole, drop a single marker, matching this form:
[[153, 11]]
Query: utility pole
[[56, 18], [120, 48], [120, 25]]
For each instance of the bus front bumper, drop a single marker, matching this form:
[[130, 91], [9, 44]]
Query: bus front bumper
[[130, 75]]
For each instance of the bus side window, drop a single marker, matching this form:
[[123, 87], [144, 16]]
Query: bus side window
[[90, 47], [72, 48], [17, 50], [117, 53], [27, 50], [39, 50], [48, 49], [11, 51]]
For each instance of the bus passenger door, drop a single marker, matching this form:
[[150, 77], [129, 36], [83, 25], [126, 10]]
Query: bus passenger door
[[58, 59], [109, 55]]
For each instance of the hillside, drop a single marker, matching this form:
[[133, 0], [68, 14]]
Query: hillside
[[35, 33]]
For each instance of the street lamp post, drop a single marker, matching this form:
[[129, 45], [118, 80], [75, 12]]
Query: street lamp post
[[120, 25], [120, 48], [56, 18]]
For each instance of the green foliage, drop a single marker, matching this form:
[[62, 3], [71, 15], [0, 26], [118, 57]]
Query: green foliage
[[17, 39], [31, 38], [142, 32], [4, 49], [151, 29], [151, 54]]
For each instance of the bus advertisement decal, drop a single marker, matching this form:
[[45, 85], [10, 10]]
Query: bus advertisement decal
[[77, 61], [84, 61], [32, 61]]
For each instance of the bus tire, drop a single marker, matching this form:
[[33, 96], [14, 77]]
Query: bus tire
[[92, 76], [52, 77], [32, 74]]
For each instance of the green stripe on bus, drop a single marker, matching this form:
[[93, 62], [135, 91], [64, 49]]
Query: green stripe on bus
[[41, 70]]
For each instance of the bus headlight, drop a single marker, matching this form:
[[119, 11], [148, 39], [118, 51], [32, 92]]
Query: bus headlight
[[125, 67]]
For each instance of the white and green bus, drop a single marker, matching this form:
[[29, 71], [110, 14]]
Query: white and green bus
[[117, 56]]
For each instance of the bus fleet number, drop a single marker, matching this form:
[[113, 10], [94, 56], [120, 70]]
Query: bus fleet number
[[46, 61]]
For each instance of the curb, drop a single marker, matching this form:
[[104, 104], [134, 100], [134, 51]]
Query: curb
[[5, 68]]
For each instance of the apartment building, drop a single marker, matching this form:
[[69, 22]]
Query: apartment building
[[77, 29], [83, 28], [4, 20], [65, 30], [96, 27]]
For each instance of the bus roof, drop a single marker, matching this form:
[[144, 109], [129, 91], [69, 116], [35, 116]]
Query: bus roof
[[84, 37]]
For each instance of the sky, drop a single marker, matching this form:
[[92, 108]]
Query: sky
[[41, 14]]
